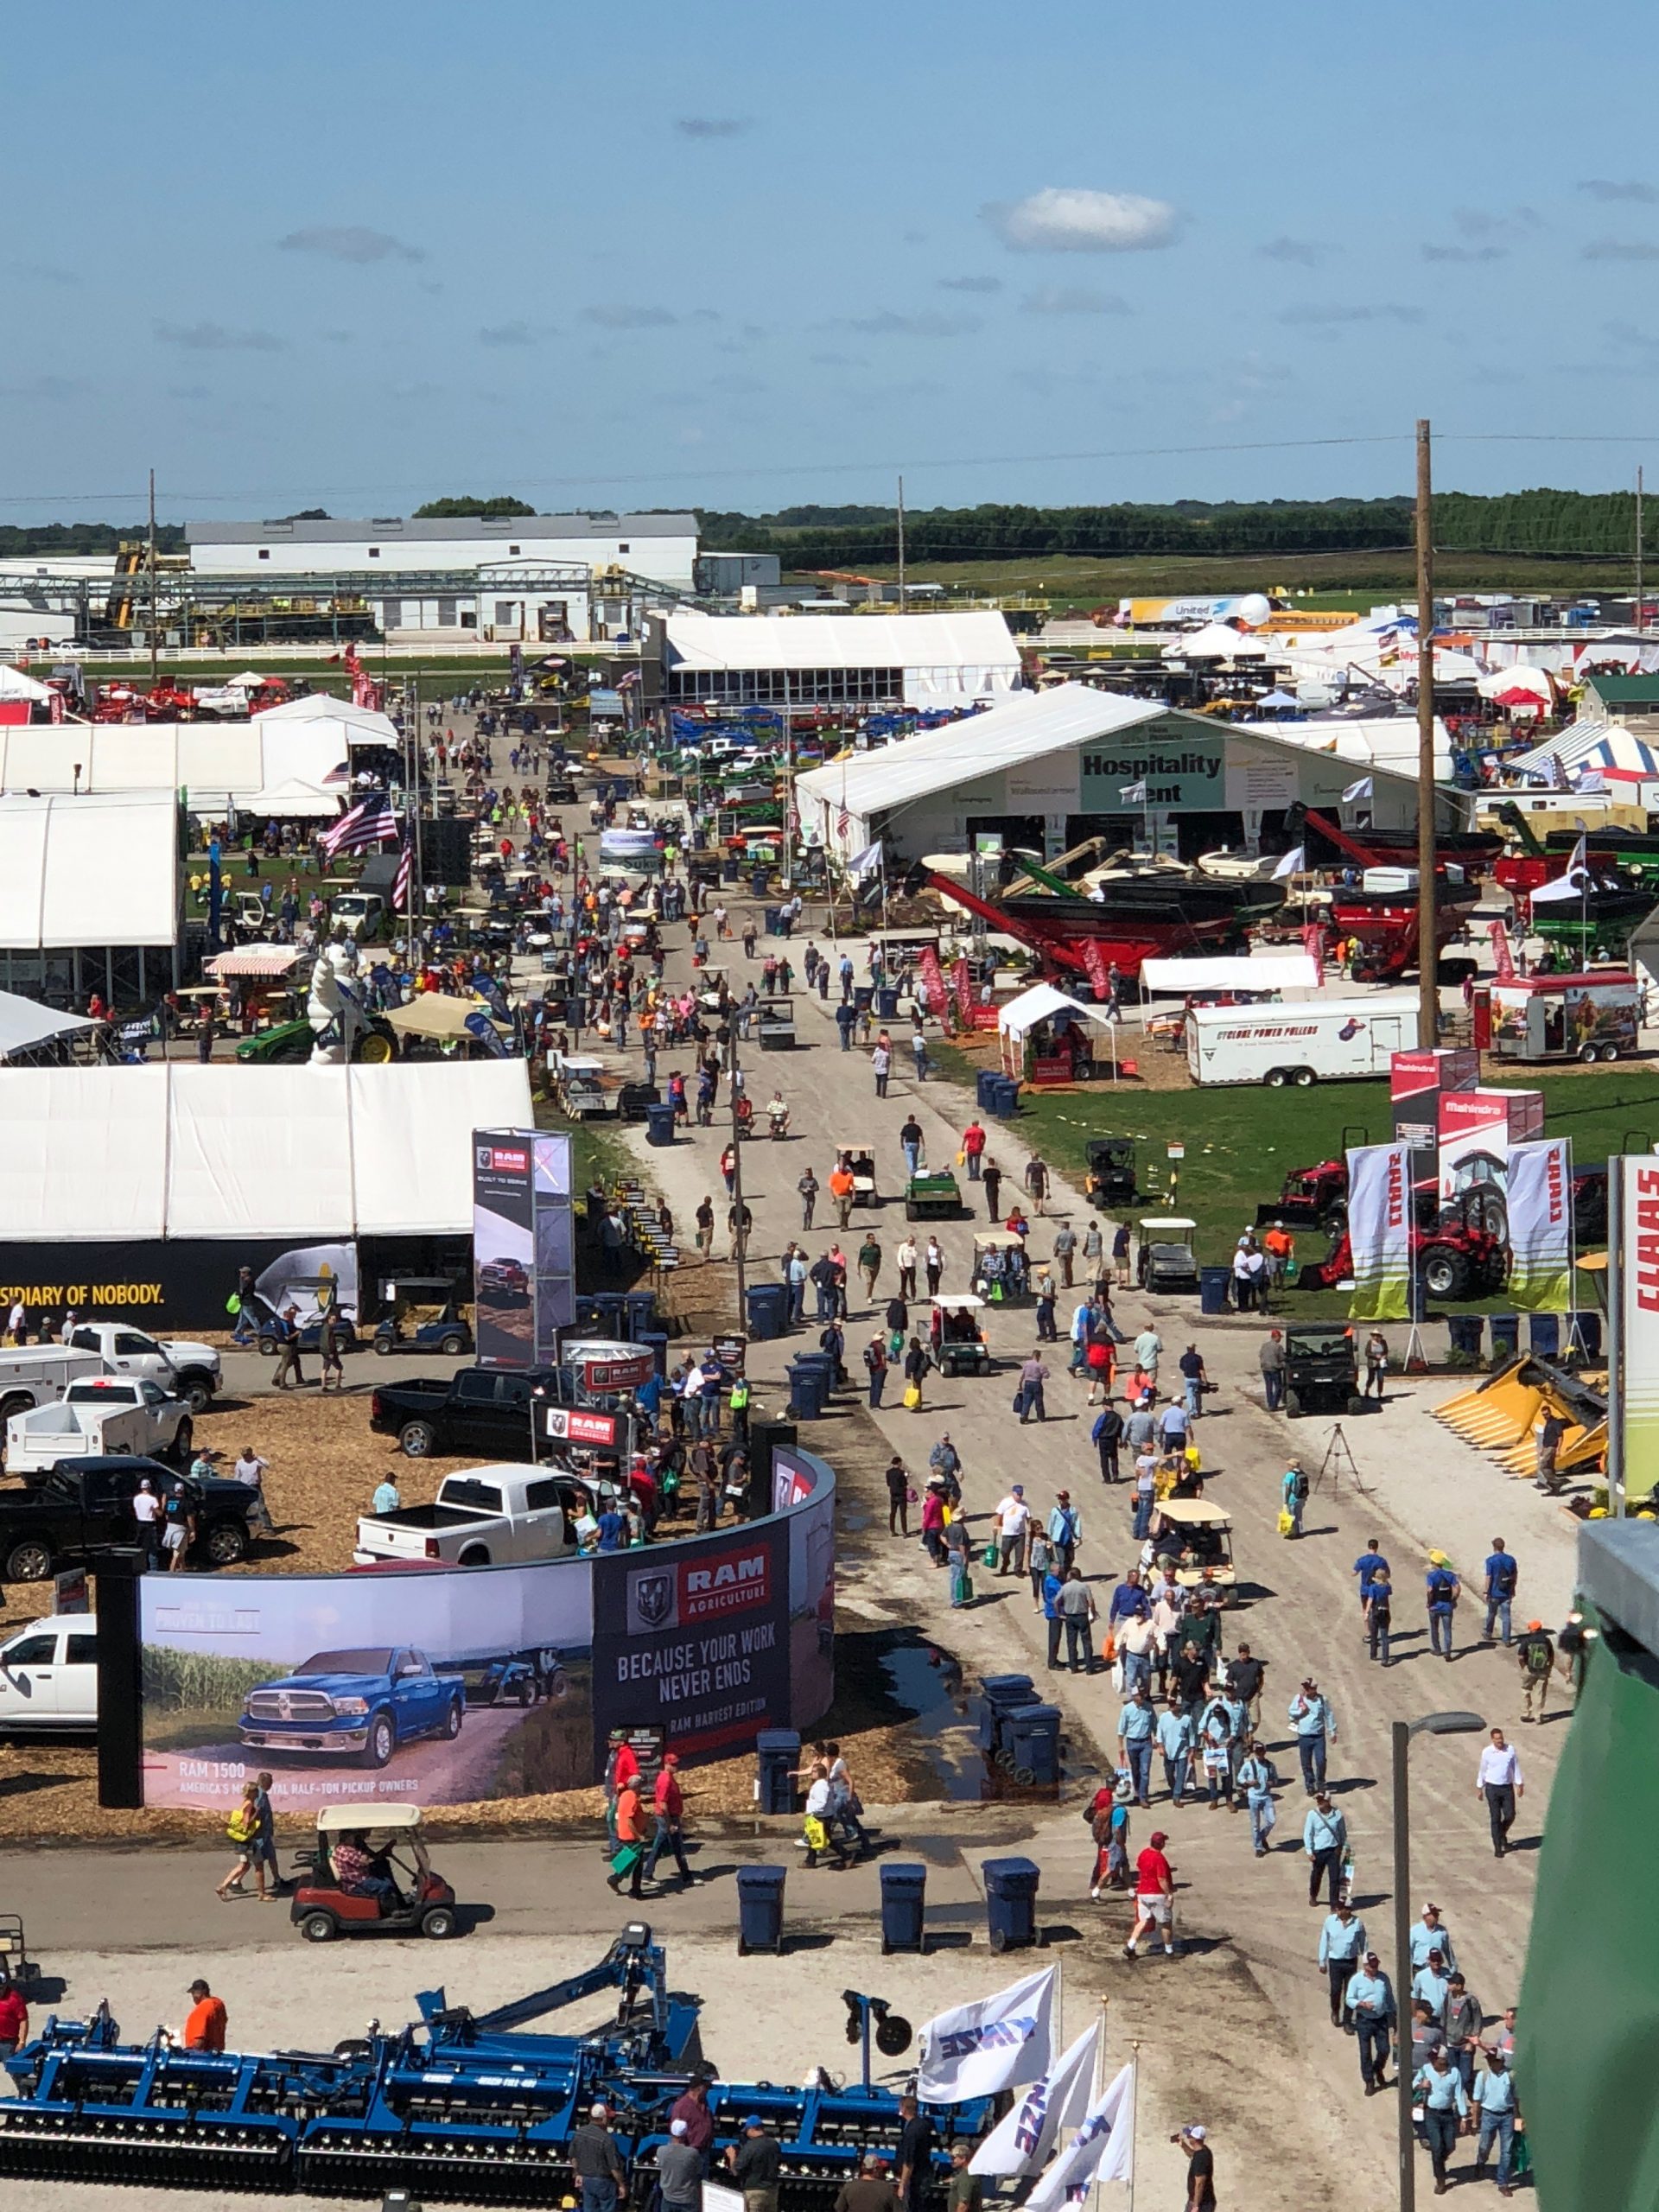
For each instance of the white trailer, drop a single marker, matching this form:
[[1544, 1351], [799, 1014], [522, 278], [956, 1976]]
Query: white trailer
[[1323, 1040]]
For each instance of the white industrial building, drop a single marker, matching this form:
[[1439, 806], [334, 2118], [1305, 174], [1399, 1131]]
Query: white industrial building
[[808, 660], [1047, 770]]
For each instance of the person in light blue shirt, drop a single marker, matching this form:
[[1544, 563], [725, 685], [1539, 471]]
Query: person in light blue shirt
[[1493, 2097], [1325, 1837], [1369, 1999], [1216, 1731], [1431, 1934], [1432, 1984], [1315, 1723], [387, 1496], [1342, 1951], [1437, 2088], [1258, 1777], [1135, 1724], [1174, 1733]]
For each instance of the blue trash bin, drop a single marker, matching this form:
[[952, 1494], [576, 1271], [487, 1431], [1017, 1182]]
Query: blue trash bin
[[1212, 1289], [656, 1341], [903, 1893], [1034, 1741], [769, 1309], [1010, 1902], [818, 1364], [728, 868], [887, 1001], [863, 996], [1586, 1328], [659, 1124], [1506, 1338], [1001, 1694], [1464, 1332], [807, 1392], [777, 1751], [760, 1908], [1005, 1098], [983, 1083], [757, 877], [639, 1310], [1544, 1336]]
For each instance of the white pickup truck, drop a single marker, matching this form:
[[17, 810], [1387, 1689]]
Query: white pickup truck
[[190, 1371], [33, 1375], [490, 1517], [110, 1413]]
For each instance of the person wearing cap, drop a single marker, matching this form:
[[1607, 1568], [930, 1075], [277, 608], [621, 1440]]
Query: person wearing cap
[[1502, 1579], [1442, 1590], [1501, 1783], [964, 2192], [597, 2164], [1257, 1779], [1342, 1950], [1324, 1837], [1155, 1893], [1432, 1983], [679, 2169], [869, 2190], [1439, 2088], [1011, 1518], [1368, 2000], [1315, 1723], [757, 2163], [1429, 1935], [1064, 1529], [1461, 2021], [1200, 2167], [1494, 2101], [668, 1805], [1536, 1654]]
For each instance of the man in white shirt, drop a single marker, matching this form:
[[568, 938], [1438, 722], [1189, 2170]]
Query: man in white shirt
[[251, 1470], [147, 1512], [1013, 1519], [1148, 1347], [1501, 1783], [907, 1256]]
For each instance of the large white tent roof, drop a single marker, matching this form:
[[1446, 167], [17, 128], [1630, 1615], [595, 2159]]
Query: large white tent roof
[[1375, 740], [1041, 1001], [368, 723], [902, 641], [88, 871], [25, 1024], [18, 684], [213, 763], [181, 1150]]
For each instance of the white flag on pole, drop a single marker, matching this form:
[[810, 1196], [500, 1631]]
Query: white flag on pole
[[1134, 794], [1022, 2141], [1002, 2042], [1573, 884], [1293, 864], [1102, 2150], [865, 863], [1360, 788]]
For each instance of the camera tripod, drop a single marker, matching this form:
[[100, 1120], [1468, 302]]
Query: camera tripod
[[1339, 1462]]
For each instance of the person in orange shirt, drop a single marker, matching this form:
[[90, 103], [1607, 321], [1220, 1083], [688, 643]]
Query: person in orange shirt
[[841, 1187], [630, 1837], [205, 2029]]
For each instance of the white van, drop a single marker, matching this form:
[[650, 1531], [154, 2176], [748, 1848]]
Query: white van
[[1319, 1040], [48, 1674]]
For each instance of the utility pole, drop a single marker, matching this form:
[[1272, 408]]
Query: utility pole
[[740, 1241], [901, 544], [153, 639], [1640, 625], [1428, 986]]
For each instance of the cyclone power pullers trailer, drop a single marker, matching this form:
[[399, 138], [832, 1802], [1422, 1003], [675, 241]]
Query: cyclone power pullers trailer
[[1324, 1040]]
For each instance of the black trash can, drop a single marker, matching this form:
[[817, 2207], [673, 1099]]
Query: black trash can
[[1034, 1741], [1586, 1328], [760, 1908], [1464, 1332], [778, 1753], [659, 1124], [1506, 1338], [1544, 1336], [904, 1891], [1011, 1902], [1001, 1693], [657, 1340], [1212, 1289], [863, 996]]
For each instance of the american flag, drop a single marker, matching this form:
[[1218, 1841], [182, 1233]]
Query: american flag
[[626, 682], [370, 821], [400, 882]]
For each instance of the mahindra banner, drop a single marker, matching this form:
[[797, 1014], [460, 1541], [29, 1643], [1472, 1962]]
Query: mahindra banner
[[1540, 1199], [1379, 1230], [1638, 1387]]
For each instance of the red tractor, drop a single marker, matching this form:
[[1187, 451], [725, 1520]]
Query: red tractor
[[1456, 1256]]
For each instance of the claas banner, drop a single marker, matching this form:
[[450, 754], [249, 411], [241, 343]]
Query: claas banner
[[1379, 1231], [1539, 1201]]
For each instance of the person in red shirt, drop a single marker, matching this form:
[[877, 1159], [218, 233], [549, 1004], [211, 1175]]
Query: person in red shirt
[[14, 2022], [205, 2029], [693, 2109], [1155, 1889], [668, 1805], [624, 1767]]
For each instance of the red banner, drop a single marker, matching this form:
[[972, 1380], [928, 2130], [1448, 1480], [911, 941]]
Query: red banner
[[932, 982]]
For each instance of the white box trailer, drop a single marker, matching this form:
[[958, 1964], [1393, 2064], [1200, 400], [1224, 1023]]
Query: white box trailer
[[1322, 1040]]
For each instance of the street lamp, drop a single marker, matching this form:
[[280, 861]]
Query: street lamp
[[1432, 1723]]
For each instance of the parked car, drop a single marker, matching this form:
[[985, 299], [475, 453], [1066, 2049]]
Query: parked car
[[35, 1375], [192, 1371], [48, 1674], [104, 1415], [482, 1518], [84, 1506], [358, 1704], [481, 1412]]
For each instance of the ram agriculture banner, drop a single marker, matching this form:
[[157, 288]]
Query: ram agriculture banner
[[1379, 1231], [1540, 1199], [1640, 1293]]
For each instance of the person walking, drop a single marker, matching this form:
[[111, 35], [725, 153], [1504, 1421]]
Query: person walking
[[881, 1064], [1324, 1837], [1536, 1654], [668, 1803], [807, 1187], [1135, 1725], [1121, 1254], [1077, 1611], [1200, 2169], [933, 1266], [629, 1862], [1501, 1783], [897, 1481], [1494, 2100], [1193, 1380], [1033, 1375], [1369, 2001], [1065, 1530], [1257, 1779], [1065, 1250], [911, 1141], [242, 1829], [1294, 1493], [1461, 2023], [1439, 2088], [1315, 1723], [1379, 1616], [329, 1347], [285, 1328], [1155, 1896], [1376, 1363], [1037, 1180], [1443, 1589], [1502, 1579], [876, 1366], [1342, 1951], [992, 1180], [907, 1259], [1106, 1436], [1011, 1519], [1217, 1728], [1271, 1359], [959, 1548], [869, 1265], [935, 1521], [917, 1363], [973, 1148]]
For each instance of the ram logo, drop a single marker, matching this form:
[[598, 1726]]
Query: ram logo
[[653, 1598]]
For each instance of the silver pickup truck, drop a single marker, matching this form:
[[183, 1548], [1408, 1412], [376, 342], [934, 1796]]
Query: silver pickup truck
[[490, 1517]]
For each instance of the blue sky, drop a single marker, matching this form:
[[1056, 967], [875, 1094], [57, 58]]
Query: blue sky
[[741, 256]]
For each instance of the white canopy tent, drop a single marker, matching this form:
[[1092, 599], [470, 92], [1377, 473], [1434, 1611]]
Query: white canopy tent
[[1217, 641], [16, 683], [1267, 971], [88, 871], [368, 725], [214, 765], [25, 1025], [224, 1152], [1041, 1003], [292, 800]]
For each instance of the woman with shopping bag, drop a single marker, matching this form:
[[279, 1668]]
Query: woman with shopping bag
[[916, 1367]]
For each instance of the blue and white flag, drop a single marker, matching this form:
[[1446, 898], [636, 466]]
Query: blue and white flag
[[1022, 2142], [1102, 2150], [1134, 794], [1360, 788], [865, 863], [1000, 2042]]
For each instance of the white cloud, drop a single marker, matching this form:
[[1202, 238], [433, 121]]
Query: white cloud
[[1621, 250], [509, 333], [1071, 218], [630, 318], [1309, 252], [1465, 253], [1074, 299], [1607, 187], [216, 337], [970, 284], [925, 324], [350, 242], [1314, 316]]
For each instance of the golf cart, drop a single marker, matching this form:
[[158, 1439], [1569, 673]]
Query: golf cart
[[1322, 1370], [932, 1198], [1002, 1275], [1199, 1537], [711, 985], [1111, 1179], [860, 1158], [1165, 1258], [955, 1336], [425, 1904], [311, 1293], [426, 1316], [774, 1025]]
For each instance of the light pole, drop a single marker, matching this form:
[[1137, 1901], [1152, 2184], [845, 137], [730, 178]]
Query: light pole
[[1432, 1723]]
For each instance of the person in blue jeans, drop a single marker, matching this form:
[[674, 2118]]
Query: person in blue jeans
[[246, 1326], [1135, 1732], [1437, 2088], [1493, 2098], [1315, 1724], [1174, 1733], [1257, 1777], [1502, 1579], [1443, 1591]]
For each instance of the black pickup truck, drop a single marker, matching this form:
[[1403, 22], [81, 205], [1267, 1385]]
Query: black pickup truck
[[482, 1413], [84, 1506]]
